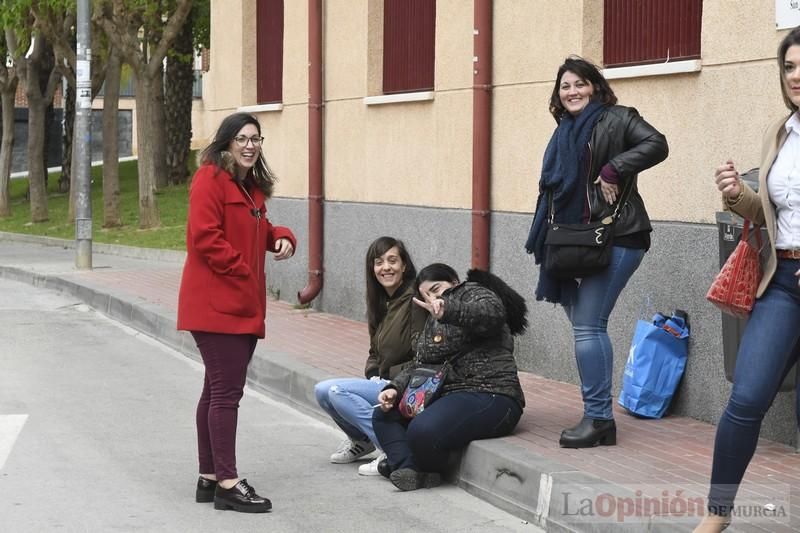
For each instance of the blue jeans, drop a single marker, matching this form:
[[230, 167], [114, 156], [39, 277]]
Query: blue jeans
[[594, 354], [424, 443], [767, 351], [349, 401]]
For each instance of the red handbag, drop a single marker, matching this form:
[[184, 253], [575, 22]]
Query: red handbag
[[734, 288]]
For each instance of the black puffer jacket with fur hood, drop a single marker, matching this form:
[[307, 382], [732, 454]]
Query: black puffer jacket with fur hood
[[480, 317]]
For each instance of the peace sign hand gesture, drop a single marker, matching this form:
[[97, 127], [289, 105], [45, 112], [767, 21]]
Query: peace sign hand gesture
[[432, 304]]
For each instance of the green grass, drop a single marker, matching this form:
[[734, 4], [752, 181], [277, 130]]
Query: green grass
[[172, 206]]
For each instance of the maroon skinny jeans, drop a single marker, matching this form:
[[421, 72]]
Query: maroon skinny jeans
[[226, 357]]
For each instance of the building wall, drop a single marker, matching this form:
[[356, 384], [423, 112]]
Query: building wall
[[405, 168]]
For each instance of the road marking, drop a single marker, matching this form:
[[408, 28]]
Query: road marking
[[10, 428], [545, 493]]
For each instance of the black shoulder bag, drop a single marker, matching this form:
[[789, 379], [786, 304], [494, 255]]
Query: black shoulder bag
[[580, 250]]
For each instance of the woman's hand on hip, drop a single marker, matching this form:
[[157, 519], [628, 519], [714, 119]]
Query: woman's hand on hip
[[609, 190], [283, 249], [727, 179], [386, 399]]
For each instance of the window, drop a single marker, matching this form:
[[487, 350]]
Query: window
[[408, 45], [637, 32], [269, 51]]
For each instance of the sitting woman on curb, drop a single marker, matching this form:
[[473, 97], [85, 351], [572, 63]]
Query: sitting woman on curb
[[770, 341], [393, 320], [471, 323]]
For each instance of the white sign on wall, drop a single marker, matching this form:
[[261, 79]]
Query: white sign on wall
[[787, 14]]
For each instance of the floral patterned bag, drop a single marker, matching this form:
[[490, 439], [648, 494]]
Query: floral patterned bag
[[424, 386]]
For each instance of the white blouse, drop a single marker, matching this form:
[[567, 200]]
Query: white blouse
[[783, 184]]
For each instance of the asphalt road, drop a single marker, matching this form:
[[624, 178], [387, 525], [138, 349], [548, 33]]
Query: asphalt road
[[97, 434]]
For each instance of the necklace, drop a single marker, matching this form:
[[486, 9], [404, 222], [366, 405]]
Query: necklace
[[256, 212]]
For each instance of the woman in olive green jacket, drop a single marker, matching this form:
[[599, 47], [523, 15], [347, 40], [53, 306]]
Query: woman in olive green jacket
[[393, 320]]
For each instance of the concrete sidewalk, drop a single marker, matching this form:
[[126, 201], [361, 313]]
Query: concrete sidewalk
[[655, 479]]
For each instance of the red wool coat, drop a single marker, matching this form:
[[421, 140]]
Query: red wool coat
[[223, 287]]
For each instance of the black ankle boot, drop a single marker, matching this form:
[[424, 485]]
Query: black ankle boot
[[589, 433], [205, 490], [384, 469], [407, 479], [241, 497]]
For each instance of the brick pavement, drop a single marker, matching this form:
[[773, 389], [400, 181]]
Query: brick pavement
[[671, 453]]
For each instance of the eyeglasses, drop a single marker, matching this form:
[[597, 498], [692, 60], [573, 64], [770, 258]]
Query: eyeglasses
[[242, 141]]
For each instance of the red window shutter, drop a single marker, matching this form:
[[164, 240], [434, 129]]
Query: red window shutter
[[409, 34], [269, 53], [637, 32]]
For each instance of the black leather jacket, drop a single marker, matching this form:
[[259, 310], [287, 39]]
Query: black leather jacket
[[624, 139]]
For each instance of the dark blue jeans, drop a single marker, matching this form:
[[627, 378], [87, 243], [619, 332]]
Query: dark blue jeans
[[767, 352], [594, 354], [450, 423]]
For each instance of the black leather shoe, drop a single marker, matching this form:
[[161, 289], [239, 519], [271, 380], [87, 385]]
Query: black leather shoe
[[205, 490], [588, 433], [241, 497], [407, 479], [384, 469]]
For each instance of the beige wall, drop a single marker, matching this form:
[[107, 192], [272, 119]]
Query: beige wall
[[416, 153], [231, 83], [420, 153]]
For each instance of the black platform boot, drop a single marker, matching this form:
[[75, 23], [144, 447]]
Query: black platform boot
[[588, 433]]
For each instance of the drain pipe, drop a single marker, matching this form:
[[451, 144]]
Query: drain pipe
[[481, 132], [315, 192]]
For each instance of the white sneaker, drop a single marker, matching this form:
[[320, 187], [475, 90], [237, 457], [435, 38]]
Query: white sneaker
[[371, 468], [350, 450]]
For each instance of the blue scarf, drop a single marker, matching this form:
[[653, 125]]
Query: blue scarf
[[562, 181]]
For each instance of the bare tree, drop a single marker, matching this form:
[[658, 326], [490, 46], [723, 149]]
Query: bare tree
[[56, 20], [68, 119], [8, 89], [178, 87], [39, 75], [112, 216], [143, 31]]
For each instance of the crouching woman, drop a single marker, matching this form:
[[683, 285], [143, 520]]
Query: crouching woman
[[470, 325]]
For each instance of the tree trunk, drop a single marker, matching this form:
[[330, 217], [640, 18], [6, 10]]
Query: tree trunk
[[145, 143], [158, 131], [6, 148], [65, 180], [178, 104], [49, 119], [111, 213], [37, 110]]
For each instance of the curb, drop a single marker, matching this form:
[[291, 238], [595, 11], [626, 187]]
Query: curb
[[503, 474], [152, 254]]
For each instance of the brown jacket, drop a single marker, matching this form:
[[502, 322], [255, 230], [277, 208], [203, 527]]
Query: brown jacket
[[391, 344], [756, 206]]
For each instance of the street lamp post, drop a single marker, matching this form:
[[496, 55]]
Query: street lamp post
[[83, 140]]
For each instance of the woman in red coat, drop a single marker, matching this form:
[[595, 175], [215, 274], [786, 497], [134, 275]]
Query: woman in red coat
[[222, 299]]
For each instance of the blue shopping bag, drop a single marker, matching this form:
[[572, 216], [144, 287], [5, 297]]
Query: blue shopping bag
[[655, 364]]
